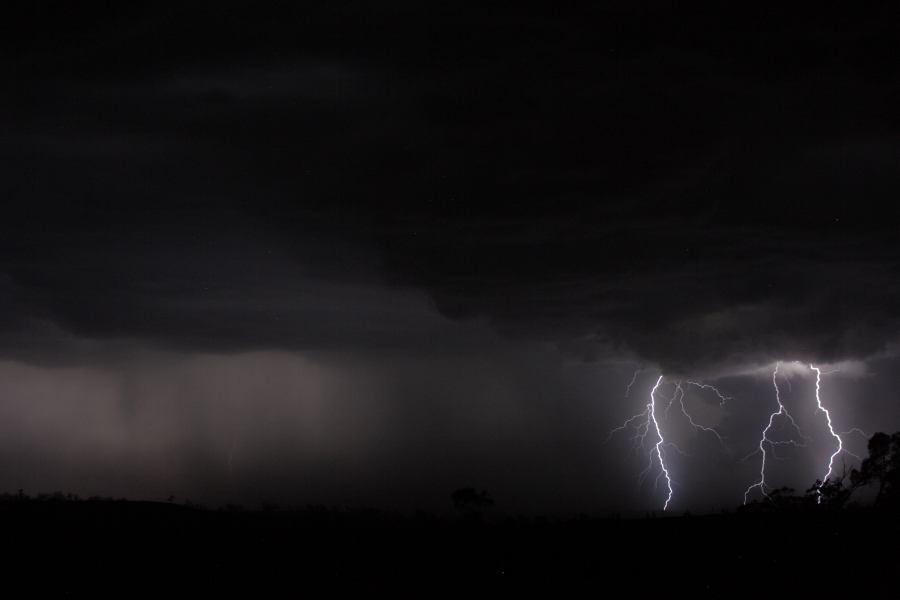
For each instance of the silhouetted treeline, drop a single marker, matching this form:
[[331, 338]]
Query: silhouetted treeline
[[879, 474], [787, 544], [127, 549]]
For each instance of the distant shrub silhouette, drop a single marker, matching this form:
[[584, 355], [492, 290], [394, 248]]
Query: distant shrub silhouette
[[470, 504], [779, 499]]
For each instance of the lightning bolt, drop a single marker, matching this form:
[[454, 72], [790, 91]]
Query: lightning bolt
[[646, 424], [705, 386], [651, 407], [641, 429], [856, 430], [678, 390], [837, 437], [631, 383], [679, 397], [646, 419], [765, 439], [627, 423]]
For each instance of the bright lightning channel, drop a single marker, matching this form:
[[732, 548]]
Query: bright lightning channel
[[651, 407], [765, 439], [645, 420], [840, 442]]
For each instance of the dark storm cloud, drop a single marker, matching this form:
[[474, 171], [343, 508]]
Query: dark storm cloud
[[677, 187], [345, 254]]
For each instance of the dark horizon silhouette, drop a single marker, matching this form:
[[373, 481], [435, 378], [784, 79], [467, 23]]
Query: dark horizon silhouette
[[233, 549]]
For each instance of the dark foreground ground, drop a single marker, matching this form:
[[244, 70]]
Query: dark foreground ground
[[129, 549]]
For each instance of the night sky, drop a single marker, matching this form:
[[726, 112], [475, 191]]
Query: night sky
[[366, 256]]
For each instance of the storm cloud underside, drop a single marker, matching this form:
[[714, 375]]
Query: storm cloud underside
[[597, 189]]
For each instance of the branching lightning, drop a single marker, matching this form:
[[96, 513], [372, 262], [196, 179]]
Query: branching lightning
[[646, 424], [705, 386], [647, 419], [766, 440], [651, 407], [627, 423], [855, 430], [840, 442], [631, 383], [680, 393]]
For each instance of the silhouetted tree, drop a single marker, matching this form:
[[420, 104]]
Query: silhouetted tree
[[830, 494], [470, 503], [881, 469]]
